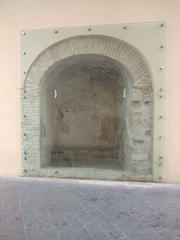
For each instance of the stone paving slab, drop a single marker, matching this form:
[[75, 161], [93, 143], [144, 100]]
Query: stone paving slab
[[56, 209]]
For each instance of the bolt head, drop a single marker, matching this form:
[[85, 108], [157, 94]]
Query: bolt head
[[56, 31], [23, 33], [162, 68], [23, 53], [124, 27]]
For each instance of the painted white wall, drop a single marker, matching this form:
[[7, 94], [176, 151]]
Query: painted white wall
[[16, 15]]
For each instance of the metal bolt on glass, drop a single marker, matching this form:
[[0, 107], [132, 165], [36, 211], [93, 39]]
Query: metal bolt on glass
[[162, 68]]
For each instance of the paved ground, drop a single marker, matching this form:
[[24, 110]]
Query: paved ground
[[52, 209]]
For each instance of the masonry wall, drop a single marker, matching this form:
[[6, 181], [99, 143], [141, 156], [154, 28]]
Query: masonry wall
[[16, 15]]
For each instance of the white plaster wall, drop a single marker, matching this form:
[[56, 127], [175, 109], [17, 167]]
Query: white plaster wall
[[16, 15]]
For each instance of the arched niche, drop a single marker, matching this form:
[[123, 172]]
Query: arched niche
[[119, 66]]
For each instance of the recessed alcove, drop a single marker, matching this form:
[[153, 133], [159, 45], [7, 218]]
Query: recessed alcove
[[89, 106], [83, 113]]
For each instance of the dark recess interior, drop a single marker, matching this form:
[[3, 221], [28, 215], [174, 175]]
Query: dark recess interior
[[82, 114]]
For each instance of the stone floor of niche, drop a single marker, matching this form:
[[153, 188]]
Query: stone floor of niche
[[57, 209]]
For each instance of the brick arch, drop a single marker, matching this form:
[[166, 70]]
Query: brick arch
[[114, 48]]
